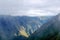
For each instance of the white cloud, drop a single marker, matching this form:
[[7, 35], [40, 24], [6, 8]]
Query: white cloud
[[29, 7], [35, 12]]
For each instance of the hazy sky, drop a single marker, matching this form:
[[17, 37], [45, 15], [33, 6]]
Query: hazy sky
[[29, 7]]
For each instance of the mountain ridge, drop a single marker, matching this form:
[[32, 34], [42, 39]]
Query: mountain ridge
[[11, 25], [48, 31]]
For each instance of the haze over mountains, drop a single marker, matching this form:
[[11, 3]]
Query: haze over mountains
[[19, 27]]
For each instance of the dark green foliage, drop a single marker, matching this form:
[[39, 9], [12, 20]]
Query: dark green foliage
[[19, 38]]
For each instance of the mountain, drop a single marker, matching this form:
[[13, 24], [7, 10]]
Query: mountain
[[48, 31], [19, 27]]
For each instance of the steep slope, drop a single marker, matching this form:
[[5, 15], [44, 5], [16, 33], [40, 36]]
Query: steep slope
[[48, 31]]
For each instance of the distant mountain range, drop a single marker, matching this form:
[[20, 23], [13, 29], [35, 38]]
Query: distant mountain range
[[20, 27]]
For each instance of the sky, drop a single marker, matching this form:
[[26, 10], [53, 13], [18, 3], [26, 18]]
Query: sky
[[29, 7]]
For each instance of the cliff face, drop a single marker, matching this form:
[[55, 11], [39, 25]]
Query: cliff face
[[48, 31]]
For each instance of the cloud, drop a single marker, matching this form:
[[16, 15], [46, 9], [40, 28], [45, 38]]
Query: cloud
[[29, 7], [34, 12]]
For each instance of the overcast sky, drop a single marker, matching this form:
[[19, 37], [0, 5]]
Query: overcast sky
[[29, 7]]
